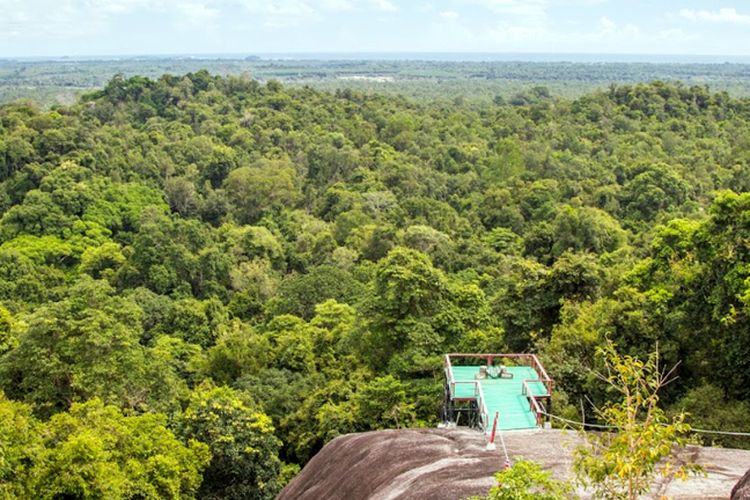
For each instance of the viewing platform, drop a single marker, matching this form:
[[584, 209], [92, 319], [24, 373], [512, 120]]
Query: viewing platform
[[477, 386]]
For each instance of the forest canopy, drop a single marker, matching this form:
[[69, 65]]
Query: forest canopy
[[204, 279]]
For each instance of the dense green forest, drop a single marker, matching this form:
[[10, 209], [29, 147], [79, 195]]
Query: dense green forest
[[204, 279]]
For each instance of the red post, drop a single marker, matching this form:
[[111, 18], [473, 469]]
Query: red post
[[494, 427]]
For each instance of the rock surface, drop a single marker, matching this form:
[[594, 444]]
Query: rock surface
[[453, 463], [741, 491]]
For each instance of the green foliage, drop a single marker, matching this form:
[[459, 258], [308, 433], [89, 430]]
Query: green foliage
[[263, 186], [644, 443], [7, 336], [103, 261], [94, 451], [709, 408], [585, 229], [383, 403], [525, 480], [298, 294], [266, 267], [85, 346], [407, 285], [20, 446], [244, 451]]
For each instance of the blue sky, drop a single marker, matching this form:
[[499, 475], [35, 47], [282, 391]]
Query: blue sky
[[98, 27]]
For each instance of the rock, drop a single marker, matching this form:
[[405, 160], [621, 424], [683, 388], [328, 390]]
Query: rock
[[741, 490], [422, 463], [453, 463]]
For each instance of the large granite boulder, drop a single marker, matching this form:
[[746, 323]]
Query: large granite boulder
[[453, 463], [741, 490]]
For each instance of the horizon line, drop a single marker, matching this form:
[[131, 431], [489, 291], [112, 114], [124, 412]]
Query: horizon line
[[304, 54]]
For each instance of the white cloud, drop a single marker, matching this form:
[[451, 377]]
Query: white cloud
[[605, 35], [725, 15], [196, 14], [113, 7], [520, 8], [336, 5], [58, 20], [284, 13], [70, 19], [278, 8], [449, 15], [384, 5], [609, 30], [675, 34], [588, 3]]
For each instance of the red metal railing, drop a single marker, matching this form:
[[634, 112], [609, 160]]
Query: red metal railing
[[533, 403]]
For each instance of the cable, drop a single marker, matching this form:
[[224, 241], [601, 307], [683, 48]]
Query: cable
[[599, 426], [505, 450], [725, 433], [582, 424]]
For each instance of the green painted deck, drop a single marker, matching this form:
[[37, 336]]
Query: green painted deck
[[503, 395]]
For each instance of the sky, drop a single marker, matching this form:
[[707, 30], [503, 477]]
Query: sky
[[37, 28]]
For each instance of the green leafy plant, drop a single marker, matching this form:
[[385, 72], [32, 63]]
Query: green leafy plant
[[644, 442], [526, 480]]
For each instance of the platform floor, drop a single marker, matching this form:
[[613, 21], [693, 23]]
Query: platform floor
[[503, 395]]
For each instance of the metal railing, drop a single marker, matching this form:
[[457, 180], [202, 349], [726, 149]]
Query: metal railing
[[449, 375], [534, 405], [482, 405], [478, 394]]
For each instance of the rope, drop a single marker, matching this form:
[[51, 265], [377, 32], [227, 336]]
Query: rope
[[725, 433], [505, 450], [581, 424], [599, 426]]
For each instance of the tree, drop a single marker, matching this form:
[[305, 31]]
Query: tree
[[585, 229], [298, 294], [20, 446], [382, 403], [293, 343], [407, 285], [644, 442], [102, 261], [7, 338], [162, 232], [324, 413], [239, 351], [434, 243], [709, 408], [86, 345], [182, 196], [409, 293], [260, 187], [653, 188], [244, 450], [94, 451]]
